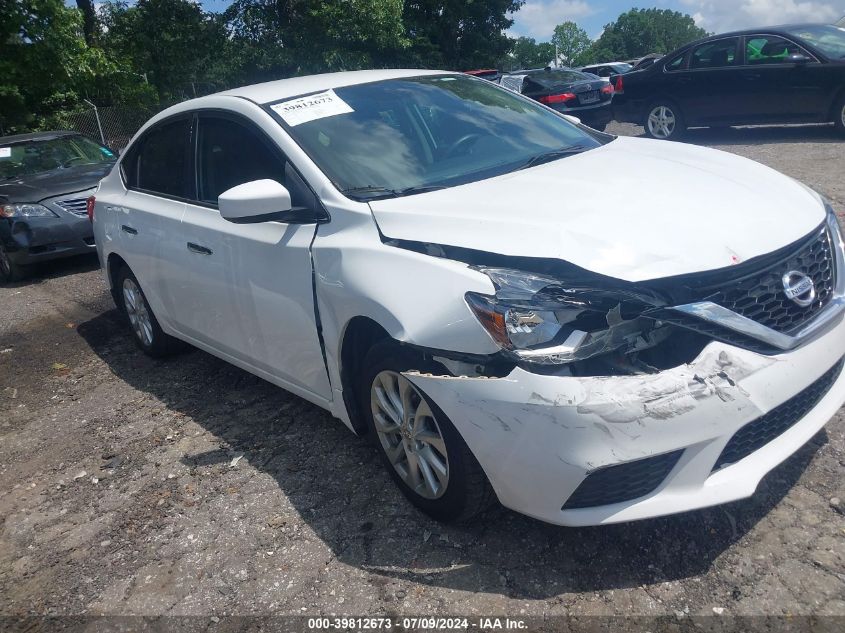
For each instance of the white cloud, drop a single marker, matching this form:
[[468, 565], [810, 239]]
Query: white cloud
[[719, 16], [538, 18]]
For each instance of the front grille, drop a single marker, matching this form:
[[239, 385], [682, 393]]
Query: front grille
[[764, 429], [761, 297], [622, 482], [77, 206]]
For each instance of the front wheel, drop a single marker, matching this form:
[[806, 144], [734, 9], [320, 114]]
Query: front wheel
[[664, 121], [9, 270], [422, 450]]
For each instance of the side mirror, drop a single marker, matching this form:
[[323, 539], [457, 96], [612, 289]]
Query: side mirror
[[256, 201], [799, 59], [572, 119]]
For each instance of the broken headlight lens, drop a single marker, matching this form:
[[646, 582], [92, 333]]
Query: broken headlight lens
[[25, 210], [539, 319]]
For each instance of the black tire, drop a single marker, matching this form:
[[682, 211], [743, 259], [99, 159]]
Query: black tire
[[839, 115], [599, 127], [678, 128], [160, 344], [9, 270], [468, 493]]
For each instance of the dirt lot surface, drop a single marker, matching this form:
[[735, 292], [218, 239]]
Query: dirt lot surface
[[134, 486]]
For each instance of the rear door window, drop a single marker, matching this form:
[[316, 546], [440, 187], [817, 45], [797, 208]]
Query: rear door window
[[159, 163], [718, 54], [768, 49]]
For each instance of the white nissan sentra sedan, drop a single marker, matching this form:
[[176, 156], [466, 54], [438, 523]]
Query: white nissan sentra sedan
[[438, 262]]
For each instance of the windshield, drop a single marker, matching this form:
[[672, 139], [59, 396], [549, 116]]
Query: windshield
[[39, 155], [394, 137], [830, 40]]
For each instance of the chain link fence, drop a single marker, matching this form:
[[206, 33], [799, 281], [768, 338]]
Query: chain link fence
[[112, 126]]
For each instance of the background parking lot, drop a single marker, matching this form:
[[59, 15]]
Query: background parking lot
[[187, 486]]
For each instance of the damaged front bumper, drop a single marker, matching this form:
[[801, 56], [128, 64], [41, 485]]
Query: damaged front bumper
[[595, 450], [33, 240]]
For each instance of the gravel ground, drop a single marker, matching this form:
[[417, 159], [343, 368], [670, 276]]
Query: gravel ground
[[189, 487]]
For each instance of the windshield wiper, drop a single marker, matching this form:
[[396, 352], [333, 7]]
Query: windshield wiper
[[369, 191], [373, 192], [554, 154], [418, 189]]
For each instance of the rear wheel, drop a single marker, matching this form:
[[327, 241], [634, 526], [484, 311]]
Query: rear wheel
[[9, 270], [146, 331], [422, 450], [839, 115], [664, 121]]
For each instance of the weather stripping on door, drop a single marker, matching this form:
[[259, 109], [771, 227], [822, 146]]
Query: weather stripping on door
[[200, 250]]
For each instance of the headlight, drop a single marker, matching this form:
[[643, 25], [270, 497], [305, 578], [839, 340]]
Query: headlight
[[26, 210], [540, 319]]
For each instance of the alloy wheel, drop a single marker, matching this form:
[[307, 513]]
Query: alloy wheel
[[409, 434], [136, 310], [661, 122]]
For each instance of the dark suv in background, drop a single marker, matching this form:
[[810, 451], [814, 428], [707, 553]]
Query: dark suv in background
[[786, 74], [45, 181]]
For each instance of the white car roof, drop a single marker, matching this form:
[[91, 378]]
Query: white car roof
[[295, 86]]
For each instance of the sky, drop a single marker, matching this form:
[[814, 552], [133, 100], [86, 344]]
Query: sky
[[537, 18]]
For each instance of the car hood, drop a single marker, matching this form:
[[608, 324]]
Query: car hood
[[633, 209], [37, 187]]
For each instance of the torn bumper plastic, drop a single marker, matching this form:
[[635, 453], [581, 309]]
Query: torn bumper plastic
[[539, 437]]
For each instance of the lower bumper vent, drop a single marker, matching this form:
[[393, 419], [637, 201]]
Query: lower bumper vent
[[764, 429], [622, 482]]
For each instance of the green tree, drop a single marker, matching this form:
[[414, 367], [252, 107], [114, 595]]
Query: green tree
[[278, 38], [642, 31], [457, 34], [527, 53], [572, 43], [45, 64], [172, 44]]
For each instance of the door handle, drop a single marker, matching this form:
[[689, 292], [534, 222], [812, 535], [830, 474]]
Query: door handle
[[751, 76], [201, 250], [128, 229]]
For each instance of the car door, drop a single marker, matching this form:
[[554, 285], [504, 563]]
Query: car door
[[712, 82], [776, 89], [246, 289], [146, 219]]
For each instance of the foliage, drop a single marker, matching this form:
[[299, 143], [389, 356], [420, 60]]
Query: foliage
[[45, 64], [171, 44], [55, 57], [457, 34], [527, 53], [572, 43], [642, 31]]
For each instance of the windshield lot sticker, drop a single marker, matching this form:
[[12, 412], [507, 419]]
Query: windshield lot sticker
[[311, 108], [5, 152]]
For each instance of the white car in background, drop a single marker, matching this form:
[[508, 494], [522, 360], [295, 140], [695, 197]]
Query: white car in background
[[435, 260]]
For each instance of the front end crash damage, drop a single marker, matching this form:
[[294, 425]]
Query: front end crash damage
[[539, 437]]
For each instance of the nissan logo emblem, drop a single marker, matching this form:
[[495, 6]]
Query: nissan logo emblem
[[799, 288]]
